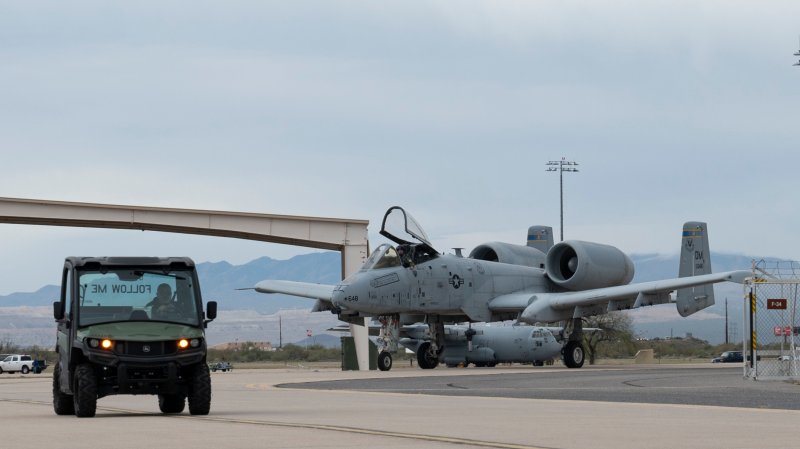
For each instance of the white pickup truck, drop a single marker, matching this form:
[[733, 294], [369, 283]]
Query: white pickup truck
[[14, 363]]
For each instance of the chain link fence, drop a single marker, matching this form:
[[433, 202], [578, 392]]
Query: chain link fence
[[773, 317]]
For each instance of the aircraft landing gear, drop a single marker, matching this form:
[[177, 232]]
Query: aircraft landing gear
[[426, 356], [389, 334], [384, 361], [574, 354]]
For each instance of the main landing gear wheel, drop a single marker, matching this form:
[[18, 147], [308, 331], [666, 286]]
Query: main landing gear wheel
[[426, 358], [574, 354], [384, 361]]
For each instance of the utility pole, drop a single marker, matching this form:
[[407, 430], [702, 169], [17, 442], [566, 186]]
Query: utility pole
[[280, 333], [570, 167], [726, 320]]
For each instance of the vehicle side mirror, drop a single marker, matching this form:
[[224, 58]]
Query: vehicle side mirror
[[211, 310], [58, 310]]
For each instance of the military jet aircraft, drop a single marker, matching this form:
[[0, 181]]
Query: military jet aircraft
[[411, 282]]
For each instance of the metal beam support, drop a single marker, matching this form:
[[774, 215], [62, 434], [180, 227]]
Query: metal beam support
[[345, 235]]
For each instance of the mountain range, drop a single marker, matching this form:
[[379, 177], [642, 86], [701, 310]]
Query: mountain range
[[25, 317]]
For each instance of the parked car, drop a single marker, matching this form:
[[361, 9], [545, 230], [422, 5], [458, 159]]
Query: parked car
[[221, 366], [16, 363]]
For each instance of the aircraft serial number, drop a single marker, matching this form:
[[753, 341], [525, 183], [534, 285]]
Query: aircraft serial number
[[351, 298]]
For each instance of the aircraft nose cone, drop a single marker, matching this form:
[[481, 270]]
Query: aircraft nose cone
[[337, 298]]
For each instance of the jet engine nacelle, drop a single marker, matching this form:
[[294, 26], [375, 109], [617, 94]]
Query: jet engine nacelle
[[508, 253], [577, 265]]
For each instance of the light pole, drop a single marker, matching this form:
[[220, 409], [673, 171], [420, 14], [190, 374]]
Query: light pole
[[570, 167]]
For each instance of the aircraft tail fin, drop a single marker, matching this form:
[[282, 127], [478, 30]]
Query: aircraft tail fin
[[540, 237], [695, 260]]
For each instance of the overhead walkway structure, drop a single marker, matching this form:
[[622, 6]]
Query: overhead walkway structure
[[348, 236]]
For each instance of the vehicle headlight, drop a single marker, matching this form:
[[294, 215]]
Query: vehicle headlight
[[195, 342], [105, 343], [183, 343]]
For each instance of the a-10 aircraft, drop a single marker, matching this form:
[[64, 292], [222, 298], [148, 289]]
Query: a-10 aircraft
[[539, 282]]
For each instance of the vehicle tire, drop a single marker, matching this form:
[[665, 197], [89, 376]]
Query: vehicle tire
[[384, 361], [480, 365], [25, 369], [1, 370], [62, 402], [200, 390], [538, 363], [426, 358], [491, 364], [171, 403], [85, 397], [574, 354]]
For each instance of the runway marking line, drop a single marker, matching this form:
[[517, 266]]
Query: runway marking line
[[328, 427]]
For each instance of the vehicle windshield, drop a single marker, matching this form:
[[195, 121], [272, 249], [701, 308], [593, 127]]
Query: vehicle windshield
[[134, 294], [541, 333]]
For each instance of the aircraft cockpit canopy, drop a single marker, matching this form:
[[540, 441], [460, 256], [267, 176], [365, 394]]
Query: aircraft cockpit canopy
[[400, 227], [406, 255], [384, 256]]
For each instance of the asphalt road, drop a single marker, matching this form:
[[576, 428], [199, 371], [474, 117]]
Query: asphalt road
[[716, 385], [515, 408]]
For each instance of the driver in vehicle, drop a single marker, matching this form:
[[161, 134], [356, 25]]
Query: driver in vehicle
[[162, 305]]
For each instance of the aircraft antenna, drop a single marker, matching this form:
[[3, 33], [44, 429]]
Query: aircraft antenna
[[570, 168]]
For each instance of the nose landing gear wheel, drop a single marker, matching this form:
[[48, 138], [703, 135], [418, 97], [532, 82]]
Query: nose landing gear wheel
[[384, 361]]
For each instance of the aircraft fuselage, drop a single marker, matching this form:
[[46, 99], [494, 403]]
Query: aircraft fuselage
[[445, 285]]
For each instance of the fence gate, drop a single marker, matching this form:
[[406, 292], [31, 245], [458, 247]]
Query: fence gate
[[772, 314]]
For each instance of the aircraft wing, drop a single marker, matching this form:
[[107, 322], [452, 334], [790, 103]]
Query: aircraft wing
[[321, 292], [549, 307]]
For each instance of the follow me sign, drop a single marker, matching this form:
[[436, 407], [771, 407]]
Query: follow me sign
[[132, 289]]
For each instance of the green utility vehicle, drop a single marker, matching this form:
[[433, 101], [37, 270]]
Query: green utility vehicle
[[131, 325]]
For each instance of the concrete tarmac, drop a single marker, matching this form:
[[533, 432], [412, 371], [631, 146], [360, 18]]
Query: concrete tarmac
[[249, 411]]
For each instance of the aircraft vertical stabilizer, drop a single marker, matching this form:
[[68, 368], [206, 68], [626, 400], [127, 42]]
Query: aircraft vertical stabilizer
[[695, 261], [541, 238]]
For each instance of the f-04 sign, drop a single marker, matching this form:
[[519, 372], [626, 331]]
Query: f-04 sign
[[776, 304]]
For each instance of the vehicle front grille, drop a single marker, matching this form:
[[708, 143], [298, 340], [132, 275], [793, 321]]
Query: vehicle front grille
[[150, 348]]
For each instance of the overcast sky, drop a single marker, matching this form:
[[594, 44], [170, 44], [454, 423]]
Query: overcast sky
[[675, 111]]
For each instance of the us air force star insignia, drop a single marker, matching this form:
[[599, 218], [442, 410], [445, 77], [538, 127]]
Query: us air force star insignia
[[456, 281]]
